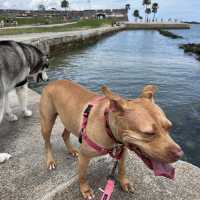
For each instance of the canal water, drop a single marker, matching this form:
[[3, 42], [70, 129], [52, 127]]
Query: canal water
[[129, 60]]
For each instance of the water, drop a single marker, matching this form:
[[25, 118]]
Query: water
[[129, 60]]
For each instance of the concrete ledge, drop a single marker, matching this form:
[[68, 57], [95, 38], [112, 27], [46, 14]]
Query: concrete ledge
[[25, 175], [157, 25], [146, 185], [53, 42]]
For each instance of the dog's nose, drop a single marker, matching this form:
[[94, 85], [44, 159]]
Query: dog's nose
[[180, 153], [176, 153]]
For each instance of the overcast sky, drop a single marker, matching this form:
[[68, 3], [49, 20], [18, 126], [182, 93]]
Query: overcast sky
[[181, 9]]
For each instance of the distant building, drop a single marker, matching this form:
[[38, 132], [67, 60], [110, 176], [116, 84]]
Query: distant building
[[120, 14]]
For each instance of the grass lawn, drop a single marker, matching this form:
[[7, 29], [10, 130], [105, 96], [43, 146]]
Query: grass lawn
[[92, 23], [34, 20]]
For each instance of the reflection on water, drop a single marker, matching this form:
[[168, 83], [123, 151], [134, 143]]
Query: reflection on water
[[131, 59]]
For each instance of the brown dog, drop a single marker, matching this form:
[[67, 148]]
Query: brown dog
[[139, 124]]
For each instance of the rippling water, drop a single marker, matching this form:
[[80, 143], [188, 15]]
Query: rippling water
[[129, 60]]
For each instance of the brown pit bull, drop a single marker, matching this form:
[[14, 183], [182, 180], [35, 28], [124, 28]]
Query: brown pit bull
[[139, 124]]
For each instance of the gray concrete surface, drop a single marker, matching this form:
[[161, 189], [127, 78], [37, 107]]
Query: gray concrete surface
[[157, 25], [25, 176]]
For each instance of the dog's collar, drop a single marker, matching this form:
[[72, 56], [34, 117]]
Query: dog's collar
[[108, 129], [115, 152], [21, 83]]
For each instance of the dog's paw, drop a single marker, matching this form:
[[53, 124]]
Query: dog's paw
[[51, 165], [86, 191], [4, 157], [73, 151], [126, 185], [11, 117], [27, 113]]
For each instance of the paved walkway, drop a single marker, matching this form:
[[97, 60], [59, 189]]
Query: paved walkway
[[29, 37], [25, 177], [38, 26]]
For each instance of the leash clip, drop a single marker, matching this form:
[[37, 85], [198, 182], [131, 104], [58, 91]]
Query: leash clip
[[117, 151]]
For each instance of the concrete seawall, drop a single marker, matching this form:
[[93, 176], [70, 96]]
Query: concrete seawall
[[146, 26], [54, 42]]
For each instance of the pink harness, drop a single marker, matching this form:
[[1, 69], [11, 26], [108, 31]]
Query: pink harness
[[115, 152]]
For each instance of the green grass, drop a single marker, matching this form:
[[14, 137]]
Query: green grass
[[39, 20], [94, 23], [35, 20]]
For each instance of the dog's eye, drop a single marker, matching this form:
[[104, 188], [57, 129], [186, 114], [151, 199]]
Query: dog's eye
[[168, 127], [149, 134]]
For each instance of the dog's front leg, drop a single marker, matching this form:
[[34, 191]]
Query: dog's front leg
[[22, 96], [84, 186], [124, 182], [9, 114]]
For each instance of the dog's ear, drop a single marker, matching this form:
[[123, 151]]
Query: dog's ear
[[149, 92], [117, 103]]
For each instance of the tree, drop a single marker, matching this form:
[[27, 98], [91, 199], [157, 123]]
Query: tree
[[41, 7], [154, 10], [64, 4], [127, 7], [148, 12], [136, 14], [146, 4]]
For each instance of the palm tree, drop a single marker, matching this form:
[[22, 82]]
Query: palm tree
[[154, 10], [41, 7], [148, 12], [64, 4], [127, 7], [136, 14], [146, 4]]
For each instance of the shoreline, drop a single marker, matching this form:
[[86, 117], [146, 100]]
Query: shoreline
[[53, 42]]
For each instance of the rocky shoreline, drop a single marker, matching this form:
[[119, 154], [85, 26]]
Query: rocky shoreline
[[169, 34], [192, 48]]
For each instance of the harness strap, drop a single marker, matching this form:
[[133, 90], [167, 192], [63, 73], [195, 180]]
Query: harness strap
[[108, 129], [21, 83], [115, 152]]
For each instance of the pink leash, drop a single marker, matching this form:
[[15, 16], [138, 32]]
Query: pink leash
[[115, 152], [107, 192]]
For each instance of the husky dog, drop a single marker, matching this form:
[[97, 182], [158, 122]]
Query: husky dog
[[18, 61]]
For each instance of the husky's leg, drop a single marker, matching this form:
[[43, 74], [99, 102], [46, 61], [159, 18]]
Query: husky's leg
[[9, 114], [3, 156], [22, 95], [2, 107]]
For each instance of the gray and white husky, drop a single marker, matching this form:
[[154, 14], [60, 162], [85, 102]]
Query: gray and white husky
[[18, 61]]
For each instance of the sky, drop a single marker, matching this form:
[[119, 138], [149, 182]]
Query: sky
[[179, 9]]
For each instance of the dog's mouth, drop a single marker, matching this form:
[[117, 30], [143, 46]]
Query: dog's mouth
[[159, 168]]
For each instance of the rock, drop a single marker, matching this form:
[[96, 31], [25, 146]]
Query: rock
[[192, 48], [169, 34]]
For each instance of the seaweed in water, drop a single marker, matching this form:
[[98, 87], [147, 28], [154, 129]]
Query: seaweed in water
[[192, 48], [170, 34]]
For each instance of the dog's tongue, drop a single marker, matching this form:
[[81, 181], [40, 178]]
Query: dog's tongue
[[162, 169]]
